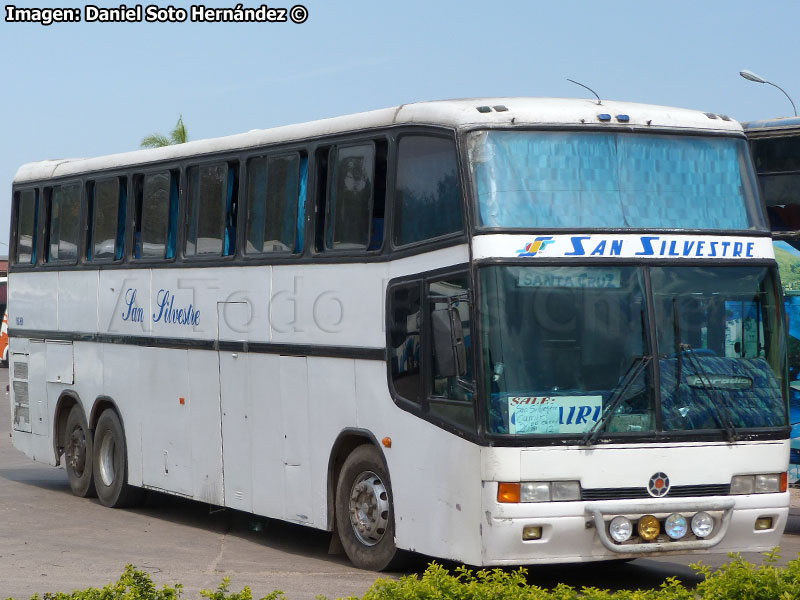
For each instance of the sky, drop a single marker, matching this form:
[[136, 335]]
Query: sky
[[87, 89]]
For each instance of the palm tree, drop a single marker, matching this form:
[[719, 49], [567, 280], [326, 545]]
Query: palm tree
[[178, 135]]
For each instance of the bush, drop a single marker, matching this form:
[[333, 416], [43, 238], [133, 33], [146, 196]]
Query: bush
[[736, 580]]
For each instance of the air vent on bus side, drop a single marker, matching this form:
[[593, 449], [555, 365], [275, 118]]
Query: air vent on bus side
[[19, 384]]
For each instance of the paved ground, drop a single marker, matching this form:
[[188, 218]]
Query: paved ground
[[52, 541]]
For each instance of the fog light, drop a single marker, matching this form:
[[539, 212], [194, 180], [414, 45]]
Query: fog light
[[649, 528], [763, 523], [676, 526], [620, 529], [530, 532], [702, 524]]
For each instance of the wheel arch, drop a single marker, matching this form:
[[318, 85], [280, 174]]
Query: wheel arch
[[102, 403], [348, 440]]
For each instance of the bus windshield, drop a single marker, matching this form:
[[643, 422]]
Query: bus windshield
[[563, 346], [578, 180]]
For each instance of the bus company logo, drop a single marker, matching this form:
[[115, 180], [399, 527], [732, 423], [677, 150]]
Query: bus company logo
[[533, 248], [658, 485]]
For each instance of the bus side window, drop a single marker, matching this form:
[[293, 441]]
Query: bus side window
[[107, 200], [155, 228], [356, 197], [27, 213], [405, 326], [452, 388], [64, 205], [275, 203], [427, 201], [209, 204]]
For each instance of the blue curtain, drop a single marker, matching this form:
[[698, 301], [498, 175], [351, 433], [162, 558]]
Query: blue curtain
[[576, 179]]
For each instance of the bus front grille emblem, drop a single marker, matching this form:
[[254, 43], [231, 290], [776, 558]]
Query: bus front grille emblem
[[658, 485]]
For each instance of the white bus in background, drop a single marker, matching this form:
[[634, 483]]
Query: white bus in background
[[499, 331]]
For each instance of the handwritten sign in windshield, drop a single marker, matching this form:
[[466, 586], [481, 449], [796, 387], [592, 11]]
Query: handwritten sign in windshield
[[553, 414]]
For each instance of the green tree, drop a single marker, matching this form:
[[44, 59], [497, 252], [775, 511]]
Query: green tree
[[178, 135]]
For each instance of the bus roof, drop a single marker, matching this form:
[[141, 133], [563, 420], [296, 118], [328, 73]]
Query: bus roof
[[450, 113], [772, 124]]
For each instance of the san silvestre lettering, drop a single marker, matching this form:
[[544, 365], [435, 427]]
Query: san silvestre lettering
[[165, 302], [166, 311], [653, 245]]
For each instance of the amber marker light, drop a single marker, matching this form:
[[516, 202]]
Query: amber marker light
[[508, 493], [649, 528], [784, 481], [387, 442]]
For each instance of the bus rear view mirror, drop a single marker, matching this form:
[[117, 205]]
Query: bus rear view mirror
[[448, 343]]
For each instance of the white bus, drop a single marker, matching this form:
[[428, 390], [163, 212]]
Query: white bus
[[499, 331]]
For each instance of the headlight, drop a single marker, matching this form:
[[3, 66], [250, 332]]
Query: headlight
[[770, 483], [539, 491], [534, 491], [620, 529], [702, 524], [676, 526], [566, 490], [743, 484]]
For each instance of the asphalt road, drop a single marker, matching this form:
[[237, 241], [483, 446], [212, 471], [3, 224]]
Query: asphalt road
[[52, 541]]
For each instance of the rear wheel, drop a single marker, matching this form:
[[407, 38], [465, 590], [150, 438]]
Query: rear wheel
[[111, 464], [78, 453], [364, 513]]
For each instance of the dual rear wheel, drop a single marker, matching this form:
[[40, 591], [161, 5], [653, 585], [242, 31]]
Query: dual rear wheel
[[98, 465]]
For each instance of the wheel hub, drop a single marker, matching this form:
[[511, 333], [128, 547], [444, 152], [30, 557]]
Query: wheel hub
[[107, 454], [76, 451], [369, 508]]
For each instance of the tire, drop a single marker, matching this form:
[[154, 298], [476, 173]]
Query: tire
[[78, 454], [111, 464], [364, 511]]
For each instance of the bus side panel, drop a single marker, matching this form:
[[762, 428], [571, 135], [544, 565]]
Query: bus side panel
[[202, 404], [166, 423], [437, 496], [77, 301], [124, 385], [267, 435], [332, 408], [328, 305], [34, 301], [296, 438]]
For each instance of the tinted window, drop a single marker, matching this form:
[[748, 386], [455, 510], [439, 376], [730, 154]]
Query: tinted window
[[273, 189], [27, 213], [428, 193], [405, 327], [65, 205], [775, 155], [156, 216], [207, 204], [350, 198], [106, 219]]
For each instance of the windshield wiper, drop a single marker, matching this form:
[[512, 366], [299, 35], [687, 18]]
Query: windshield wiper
[[638, 365], [716, 399]]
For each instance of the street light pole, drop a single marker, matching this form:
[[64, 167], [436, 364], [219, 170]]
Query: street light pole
[[750, 76]]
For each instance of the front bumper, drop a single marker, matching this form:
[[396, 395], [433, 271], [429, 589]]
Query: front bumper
[[577, 531]]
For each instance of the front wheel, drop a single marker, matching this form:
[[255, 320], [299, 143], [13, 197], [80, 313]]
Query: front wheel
[[364, 513], [111, 464]]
